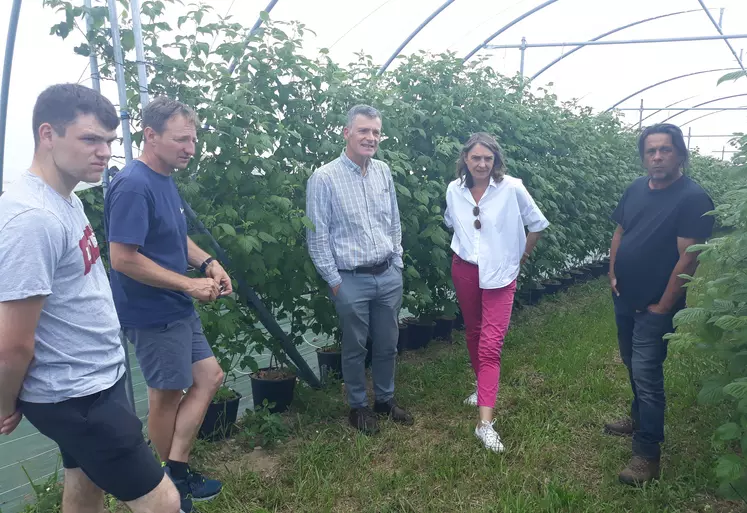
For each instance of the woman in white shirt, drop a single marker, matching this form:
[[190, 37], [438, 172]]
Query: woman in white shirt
[[488, 211]]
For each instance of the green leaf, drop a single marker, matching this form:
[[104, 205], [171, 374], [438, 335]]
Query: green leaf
[[729, 467], [228, 229], [737, 389], [267, 237], [308, 224], [421, 196], [728, 431], [711, 393], [402, 190]]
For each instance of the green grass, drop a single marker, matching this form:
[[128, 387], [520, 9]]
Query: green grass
[[561, 380]]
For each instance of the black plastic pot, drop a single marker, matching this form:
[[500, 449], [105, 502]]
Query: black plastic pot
[[420, 333], [278, 391], [552, 286], [459, 321], [578, 275], [566, 280], [220, 419], [329, 361], [403, 342], [598, 269], [534, 294], [443, 328]]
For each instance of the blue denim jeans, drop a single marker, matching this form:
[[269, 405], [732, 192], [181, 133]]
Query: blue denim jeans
[[643, 350]]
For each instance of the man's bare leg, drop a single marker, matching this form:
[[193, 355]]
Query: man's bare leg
[[162, 499], [207, 378], [80, 495], [163, 406]]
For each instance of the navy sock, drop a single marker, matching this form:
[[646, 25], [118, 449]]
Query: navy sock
[[179, 469]]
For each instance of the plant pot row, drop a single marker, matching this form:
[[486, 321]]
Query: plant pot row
[[275, 385], [532, 294]]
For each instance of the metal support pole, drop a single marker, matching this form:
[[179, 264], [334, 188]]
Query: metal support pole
[[523, 54], [696, 107], [640, 118], [723, 152], [137, 32], [253, 31], [506, 27], [622, 42], [93, 61], [609, 32], [684, 108], [718, 27], [721, 19], [689, 135], [10, 44], [127, 143], [414, 33]]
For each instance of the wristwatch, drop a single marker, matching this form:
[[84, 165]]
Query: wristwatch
[[205, 264]]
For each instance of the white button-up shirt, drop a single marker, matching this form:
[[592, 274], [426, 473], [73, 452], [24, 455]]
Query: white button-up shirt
[[497, 247]]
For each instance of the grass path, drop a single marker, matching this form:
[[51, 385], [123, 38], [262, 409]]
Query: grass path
[[561, 379]]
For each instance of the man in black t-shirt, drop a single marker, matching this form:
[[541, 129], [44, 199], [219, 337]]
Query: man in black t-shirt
[[659, 216]]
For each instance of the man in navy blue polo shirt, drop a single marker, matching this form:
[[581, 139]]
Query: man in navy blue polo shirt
[[150, 252], [658, 218]]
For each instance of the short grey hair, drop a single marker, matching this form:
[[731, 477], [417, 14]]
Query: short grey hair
[[158, 112], [362, 110]]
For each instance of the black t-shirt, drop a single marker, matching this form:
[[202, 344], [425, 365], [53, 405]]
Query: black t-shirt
[[652, 220]]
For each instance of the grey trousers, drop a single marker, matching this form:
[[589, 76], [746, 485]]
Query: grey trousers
[[369, 304]]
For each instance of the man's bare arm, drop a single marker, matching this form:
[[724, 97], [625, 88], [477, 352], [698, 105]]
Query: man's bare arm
[[18, 320], [126, 259], [616, 238], [687, 264]]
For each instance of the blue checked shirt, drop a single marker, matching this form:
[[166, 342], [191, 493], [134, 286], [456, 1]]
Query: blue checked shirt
[[356, 218]]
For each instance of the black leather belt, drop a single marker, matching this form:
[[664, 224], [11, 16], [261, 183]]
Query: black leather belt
[[374, 269]]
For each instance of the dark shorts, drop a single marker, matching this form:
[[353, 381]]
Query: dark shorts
[[100, 435], [166, 353]]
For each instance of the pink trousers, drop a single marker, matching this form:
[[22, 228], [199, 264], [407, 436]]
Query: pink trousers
[[487, 313]]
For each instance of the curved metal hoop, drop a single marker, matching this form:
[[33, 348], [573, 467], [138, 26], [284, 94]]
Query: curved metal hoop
[[414, 33], [505, 28], [600, 36], [666, 81], [706, 103]]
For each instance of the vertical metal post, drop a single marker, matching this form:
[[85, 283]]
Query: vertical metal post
[[640, 118], [689, 135], [127, 143], [15, 13], [142, 74], [721, 19], [723, 152], [523, 54], [94, 63]]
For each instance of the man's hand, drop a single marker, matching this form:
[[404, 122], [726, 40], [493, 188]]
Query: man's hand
[[658, 309], [335, 289], [217, 273], [203, 289], [524, 258], [613, 284], [10, 423]]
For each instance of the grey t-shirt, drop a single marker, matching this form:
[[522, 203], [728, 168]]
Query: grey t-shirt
[[47, 248]]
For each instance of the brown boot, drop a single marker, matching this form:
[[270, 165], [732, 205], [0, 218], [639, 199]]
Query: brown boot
[[639, 471], [621, 427], [364, 420]]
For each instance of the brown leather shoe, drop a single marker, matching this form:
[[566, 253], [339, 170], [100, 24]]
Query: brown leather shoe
[[639, 471], [394, 411], [364, 420], [621, 427]]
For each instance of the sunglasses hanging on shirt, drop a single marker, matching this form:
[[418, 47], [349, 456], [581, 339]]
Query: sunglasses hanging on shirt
[[476, 213]]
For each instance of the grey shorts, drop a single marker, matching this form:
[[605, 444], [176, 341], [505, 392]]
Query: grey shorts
[[166, 353]]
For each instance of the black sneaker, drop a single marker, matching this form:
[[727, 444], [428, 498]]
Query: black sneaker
[[202, 488], [185, 501], [364, 420], [394, 411]]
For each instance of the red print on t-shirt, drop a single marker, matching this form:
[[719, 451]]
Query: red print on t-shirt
[[90, 248]]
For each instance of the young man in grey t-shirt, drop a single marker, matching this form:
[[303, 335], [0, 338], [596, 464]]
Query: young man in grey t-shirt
[[61, 361]]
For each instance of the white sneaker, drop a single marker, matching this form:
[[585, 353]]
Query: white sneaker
[[488, 436], [471, 400]]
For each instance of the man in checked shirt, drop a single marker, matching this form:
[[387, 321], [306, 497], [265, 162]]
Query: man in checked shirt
[[357, 248]]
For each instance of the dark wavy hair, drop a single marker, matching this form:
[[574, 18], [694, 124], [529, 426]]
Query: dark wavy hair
[[499, 163], [678, 139]]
